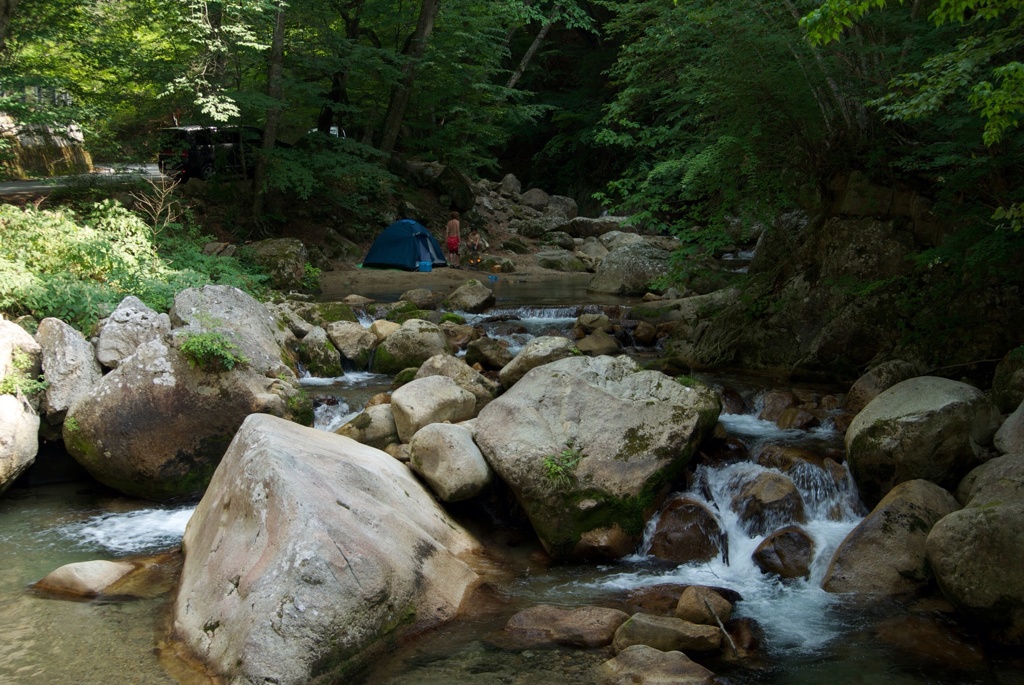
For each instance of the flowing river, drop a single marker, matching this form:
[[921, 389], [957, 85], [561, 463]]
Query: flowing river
[[810, 636]]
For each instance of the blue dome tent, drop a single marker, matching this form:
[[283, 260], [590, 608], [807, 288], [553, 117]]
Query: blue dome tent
[[403, 245]]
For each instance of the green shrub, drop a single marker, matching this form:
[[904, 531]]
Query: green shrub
[[211, 352], [79, 266], [20, 381], [311, 278]]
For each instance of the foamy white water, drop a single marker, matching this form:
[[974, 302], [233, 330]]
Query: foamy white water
[[331, 417], [795, 614], [135, 532]]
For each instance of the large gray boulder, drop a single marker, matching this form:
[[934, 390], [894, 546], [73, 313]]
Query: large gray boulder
[[411, 345], [130, 325], [374, 426], [535, 198], [563, 206], [353, 341], [422, 298], [242, 320], [1008, 381], [19, 438], [541, 350], [878, 380], [975, 553], [448, 459], [19, 351], [20, 356], [465, 376], [536, 226], [593, 248], [284, 259], [927, 427], [69, 364], [319, 354], [457, 186], [510, 186], [559, 239], [589, 447], [308, 551], [472, 296], [558, 259], [584, 227], [433, 399], [1010, 436], [629, 270], [157, 426], [885, 553]]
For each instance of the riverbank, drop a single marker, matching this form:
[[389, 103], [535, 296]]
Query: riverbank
[[389, 284]]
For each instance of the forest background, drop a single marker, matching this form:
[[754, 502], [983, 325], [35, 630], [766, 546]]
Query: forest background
[[686, 114]]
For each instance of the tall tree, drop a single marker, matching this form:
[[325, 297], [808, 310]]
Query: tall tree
[[275, 90], [415, 47]]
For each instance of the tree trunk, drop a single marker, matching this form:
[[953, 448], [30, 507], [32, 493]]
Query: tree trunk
[[6, 13], [534, 46], [274, 91], [339, 80], [416, 46]]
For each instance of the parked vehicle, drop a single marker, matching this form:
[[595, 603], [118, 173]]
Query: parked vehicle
[[208, 151]]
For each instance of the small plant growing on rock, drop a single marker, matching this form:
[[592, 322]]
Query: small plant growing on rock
[[71, 424], [211, 352], [19, 381], [559, 469]]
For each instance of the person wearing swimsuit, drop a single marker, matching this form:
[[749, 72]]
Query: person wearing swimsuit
[[452, 240]]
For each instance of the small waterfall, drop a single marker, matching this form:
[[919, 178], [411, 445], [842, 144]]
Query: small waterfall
[[363, 317], [796, 613], [519, 325], [331, 414]]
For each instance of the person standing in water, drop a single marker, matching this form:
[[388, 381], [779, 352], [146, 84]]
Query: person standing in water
[[452, 240]]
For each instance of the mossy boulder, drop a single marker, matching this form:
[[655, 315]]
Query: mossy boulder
[[324, 313], [472, 296], [590, 446], [156, 427], [411, 345], [926, 427], [319, 354], [284, 259], [1008, 381], [885, 553], [975, 552], [560, 260], [629, 270]]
